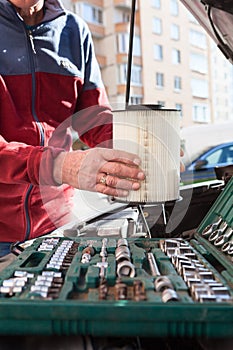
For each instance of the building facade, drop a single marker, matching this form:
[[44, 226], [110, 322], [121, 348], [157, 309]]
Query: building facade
[[174, 62]]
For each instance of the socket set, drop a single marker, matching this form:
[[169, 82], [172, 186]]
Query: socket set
[[124, 286], [216, 229]]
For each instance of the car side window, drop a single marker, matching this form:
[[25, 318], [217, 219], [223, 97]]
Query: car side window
[[214, 157], [230, 155], [221, 156]]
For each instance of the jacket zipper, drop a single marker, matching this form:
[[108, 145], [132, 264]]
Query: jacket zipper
[[32, 52], [31, 41]]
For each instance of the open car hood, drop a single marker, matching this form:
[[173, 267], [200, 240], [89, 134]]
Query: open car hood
[[216, 17]]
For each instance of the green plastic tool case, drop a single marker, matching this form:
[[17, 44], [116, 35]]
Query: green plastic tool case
[[115, 286]]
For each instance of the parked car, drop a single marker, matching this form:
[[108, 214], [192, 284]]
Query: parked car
[[202, 166]]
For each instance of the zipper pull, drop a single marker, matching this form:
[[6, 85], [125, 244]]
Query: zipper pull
[[31, 41]]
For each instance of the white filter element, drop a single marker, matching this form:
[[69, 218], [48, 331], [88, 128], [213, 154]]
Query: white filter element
[[154, 135]]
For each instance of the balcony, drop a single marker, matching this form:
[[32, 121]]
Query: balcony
[[122, 58], [97, 31], [102, 60], [124, 4], [99, 3], [124, 27]]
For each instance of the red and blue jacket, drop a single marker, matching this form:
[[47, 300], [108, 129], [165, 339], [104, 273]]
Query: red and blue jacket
[[49, 77]]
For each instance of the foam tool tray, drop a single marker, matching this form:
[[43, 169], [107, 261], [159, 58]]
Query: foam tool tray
[[125, 286]]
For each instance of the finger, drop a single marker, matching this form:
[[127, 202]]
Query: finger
[[123, 171], [110, 191], [101, 178], [118, 183], [122, 157], [182, 167]]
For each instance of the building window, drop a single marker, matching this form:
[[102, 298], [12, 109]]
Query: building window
[[197, 39], [126, 17], [92, 14], [121, 16], [179, 107], [137, 45], [201, 113], [156, 4], [199, 88], [157, 25], [136, 78], [158, 52], [159, 80], [198, 63], [136, 100], [123, 44], [176, 56], [122, 73], [174, 7], [177, 83], [192, 18], [175, 32]]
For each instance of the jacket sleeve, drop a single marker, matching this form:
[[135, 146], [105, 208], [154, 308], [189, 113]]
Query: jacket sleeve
[[93, 120], [22, 164], [94, 126]]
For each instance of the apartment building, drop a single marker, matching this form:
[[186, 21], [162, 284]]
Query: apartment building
[[174, 62], [221, 87]]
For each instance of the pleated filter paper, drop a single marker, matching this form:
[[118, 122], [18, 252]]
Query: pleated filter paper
[[154, 135]]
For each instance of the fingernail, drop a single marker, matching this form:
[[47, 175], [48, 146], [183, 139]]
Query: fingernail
[[137, 161], [135, 186], [125, 193], [141, 176]]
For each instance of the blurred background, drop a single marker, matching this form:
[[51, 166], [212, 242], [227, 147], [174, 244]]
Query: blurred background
[[175, 64]]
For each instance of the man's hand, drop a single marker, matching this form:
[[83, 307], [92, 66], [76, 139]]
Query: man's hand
[[182, 167], [108, 171]]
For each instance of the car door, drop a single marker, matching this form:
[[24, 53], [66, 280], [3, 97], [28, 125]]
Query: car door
[[203, 168]]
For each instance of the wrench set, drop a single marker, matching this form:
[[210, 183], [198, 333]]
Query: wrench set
[[117, 285], [117, 269], [75, 284], [216, 229], [220, 233], [204, 284]]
